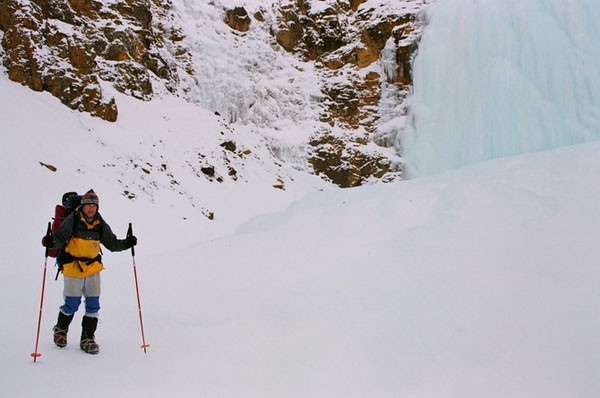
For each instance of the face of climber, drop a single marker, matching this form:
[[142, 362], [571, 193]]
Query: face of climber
[[89, 210]]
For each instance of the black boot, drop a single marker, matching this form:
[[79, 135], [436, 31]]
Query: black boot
[[61, 329], [88, 328]]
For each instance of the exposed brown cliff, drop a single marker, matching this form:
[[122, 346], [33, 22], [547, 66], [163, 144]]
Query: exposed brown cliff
[[70, 48]]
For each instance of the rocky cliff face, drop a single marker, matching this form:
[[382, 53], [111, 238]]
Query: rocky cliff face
[[70, 47], [346, 41], [79, 50]]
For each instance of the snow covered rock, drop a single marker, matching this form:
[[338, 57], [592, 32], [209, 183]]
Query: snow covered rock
[[71, 48]]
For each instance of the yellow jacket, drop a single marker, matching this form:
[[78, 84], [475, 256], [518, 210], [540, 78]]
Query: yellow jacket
[[81, 241]]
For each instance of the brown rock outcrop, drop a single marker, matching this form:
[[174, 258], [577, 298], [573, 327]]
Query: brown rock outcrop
[[69, 47], [346, 41], [238, 19]]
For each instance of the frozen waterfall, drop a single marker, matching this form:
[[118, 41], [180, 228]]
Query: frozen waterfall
[[496, 78]]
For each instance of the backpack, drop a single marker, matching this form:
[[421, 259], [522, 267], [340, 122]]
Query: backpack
[[70, 201]]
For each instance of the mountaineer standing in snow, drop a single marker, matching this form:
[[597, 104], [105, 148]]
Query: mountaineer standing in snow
[[78, 240]]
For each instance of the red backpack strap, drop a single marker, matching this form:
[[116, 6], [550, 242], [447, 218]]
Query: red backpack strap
[[60, 213]]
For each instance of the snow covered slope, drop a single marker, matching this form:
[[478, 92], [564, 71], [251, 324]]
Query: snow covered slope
[[478, 282]]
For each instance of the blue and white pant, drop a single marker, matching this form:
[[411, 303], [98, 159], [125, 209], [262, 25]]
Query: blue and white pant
[[75, 288]]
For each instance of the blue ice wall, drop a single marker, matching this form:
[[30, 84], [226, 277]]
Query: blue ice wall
[[496, 78]]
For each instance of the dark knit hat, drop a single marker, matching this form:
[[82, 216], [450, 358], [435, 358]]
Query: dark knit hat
[[90, 198]]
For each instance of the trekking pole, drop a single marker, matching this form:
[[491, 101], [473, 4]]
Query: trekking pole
[[137, 290], [36, 354]]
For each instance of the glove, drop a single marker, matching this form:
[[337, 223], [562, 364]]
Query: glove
[[131, 241], [48, 241]]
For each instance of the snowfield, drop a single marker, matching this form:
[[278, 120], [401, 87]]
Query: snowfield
[[478, 282]]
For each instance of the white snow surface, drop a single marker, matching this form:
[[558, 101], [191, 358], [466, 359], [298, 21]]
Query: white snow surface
[[477, 282]]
